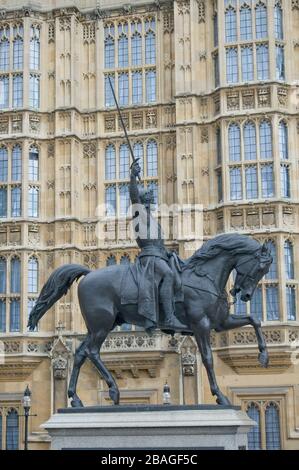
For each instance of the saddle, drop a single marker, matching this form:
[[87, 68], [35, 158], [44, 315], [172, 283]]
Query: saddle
[[143, 283]]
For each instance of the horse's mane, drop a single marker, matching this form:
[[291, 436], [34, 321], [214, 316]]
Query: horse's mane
[[233, 243]]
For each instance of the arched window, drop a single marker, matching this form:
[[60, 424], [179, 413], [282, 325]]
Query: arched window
[[291, 302], [124, 197], [278, 19], [109, 52], [32, 275], [3, 267], [232, 70], [33, 170], [3, 202], [4, 91], [234, 142], [272, 274], [34, 48], [261, 21], [288, 259], [16, 194], [251, 182], [34, 90], [138, 153], [16, 167], [247, 63], [110, 200], [254, 435], [109, 99], [125, 259], [4, 49], [230, 25], [123, 88], [3, 164], [235, 179], [272, 422], [152, 158], [267, 180], [137, 93], [245, 22], [123, 56], [266, 140], [150, 48], [150, 86], [283, 140], [136, 44], [18, 48], [110, 162], [15, 276], [262, 61], [33, 201], [249, 141], [12, 430], [124, 161], [15, 316], [256, 304], [17, 91], [111, 260], [285, 181], [2, 317], [280, 62], [272, 303]]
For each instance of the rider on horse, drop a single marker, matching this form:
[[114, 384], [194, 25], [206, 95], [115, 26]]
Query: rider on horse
[[153, 260]]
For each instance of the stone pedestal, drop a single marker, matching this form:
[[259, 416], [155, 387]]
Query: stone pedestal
[[150, 427]]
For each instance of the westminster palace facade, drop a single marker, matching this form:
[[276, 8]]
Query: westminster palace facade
[[209, 91]]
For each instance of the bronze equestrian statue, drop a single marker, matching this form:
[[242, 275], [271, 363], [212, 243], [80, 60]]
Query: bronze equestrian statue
[[160, 290], [204, 305]]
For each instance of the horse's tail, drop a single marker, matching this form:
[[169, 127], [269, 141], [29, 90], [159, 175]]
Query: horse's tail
[[56, 286]]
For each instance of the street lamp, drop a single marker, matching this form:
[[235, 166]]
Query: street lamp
[[166, 394], [26, 406]]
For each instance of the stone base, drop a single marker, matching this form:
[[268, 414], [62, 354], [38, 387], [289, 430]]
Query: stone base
[[149, 427]]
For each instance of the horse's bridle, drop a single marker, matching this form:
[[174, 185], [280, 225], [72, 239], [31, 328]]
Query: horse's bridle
[[246, 275]]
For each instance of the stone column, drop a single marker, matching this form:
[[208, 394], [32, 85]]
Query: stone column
[[189, 372], [60, 357]]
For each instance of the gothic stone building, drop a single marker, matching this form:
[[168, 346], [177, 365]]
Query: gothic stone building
[[209, 90]]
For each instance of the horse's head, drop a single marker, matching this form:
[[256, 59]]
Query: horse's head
[[250, 270]]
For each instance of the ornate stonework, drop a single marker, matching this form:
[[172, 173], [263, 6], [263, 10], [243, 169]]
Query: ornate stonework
[[71, 128]]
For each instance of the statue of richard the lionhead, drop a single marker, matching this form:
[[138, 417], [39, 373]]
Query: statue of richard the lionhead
[[153, 261]]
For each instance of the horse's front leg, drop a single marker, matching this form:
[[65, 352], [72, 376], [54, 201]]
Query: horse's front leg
[[202, 331], [237, 321]]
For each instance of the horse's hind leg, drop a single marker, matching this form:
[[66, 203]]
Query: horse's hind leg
[[94, 355], [79, 359]]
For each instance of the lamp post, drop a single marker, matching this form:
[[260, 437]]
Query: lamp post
[[166, 394], [26, 406]]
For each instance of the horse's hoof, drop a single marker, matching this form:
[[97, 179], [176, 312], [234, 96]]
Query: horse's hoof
[[77, 403], [223, 400], [114, 395], [264, 358]]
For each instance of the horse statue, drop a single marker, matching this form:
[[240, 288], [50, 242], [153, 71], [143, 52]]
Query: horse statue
[[204, 307]]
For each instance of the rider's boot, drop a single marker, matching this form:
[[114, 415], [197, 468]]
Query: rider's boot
[[170, 321]]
